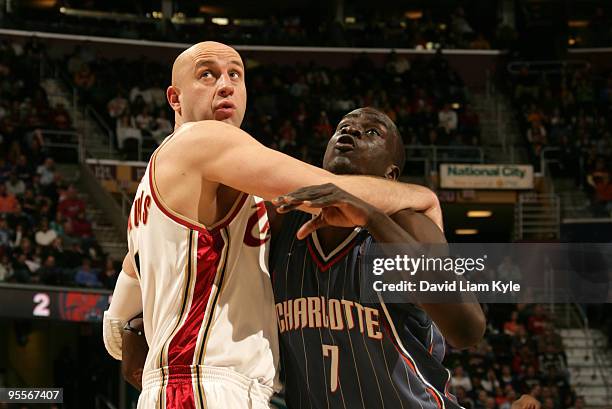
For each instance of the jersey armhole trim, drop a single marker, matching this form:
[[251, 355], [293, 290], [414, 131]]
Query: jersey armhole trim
[[183, 220]]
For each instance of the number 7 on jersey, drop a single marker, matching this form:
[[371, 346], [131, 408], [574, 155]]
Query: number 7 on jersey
[[333, 351]]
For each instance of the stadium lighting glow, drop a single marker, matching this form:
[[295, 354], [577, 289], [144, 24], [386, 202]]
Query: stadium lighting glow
[[466, 232], [220, 21], [479, 213], [578, 23], [455, 105], [350, 20], [414, 14]]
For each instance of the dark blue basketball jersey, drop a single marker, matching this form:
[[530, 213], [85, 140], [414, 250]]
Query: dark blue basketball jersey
[[338, 352]]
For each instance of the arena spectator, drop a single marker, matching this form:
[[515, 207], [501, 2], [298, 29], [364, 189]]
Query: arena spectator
[[537, 322], [447, 119], [460, 378], [84, 78], [46, 172], [86, 276], [14, 186], [81, 227], [109, 274], [8, 202], [129, 137], [71, 205], [511, 326], [162, 126], [579, 403], [45, 235], [6, 270], [49, 273], [490, 383]]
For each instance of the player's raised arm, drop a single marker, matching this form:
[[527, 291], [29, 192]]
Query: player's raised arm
[[230, 156]]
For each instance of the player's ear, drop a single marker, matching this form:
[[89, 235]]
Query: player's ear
[[392, 173], [172, 95]]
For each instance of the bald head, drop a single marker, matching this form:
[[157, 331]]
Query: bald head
[[187, 59], [208, 83]]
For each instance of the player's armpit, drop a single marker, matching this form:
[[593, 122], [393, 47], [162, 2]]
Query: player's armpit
[[128, 266]]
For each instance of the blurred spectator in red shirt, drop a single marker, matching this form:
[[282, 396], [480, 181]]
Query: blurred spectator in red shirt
[[81, 227], [8, 202], [71, 205], [537, 322]]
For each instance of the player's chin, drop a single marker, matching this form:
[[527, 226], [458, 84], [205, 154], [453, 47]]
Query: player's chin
[[225, 115], [341, 165]]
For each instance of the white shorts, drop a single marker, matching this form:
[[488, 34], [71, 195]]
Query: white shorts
[[202, 387]]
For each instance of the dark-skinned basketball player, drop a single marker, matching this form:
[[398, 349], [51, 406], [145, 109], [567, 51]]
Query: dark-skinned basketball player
[[337, 351]]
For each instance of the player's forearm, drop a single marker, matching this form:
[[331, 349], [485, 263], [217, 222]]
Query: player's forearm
[[391, 197], [384, 230]]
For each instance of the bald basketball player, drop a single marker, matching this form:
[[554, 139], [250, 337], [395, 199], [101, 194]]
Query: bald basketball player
[[197, 238]]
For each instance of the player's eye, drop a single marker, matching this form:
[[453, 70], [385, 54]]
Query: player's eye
[[206, 74], [342, 127], [234, 74], [373, 132]]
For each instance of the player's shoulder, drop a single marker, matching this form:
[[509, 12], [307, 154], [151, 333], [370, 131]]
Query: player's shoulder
[[203, 129], [190, 142]]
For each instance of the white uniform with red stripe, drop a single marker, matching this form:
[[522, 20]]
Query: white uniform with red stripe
[[208, 306]]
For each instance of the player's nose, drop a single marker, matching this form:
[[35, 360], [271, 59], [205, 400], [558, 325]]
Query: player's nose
[[226, 88], [353, 131]]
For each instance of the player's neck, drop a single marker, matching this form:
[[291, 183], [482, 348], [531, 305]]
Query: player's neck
[[331, 237]]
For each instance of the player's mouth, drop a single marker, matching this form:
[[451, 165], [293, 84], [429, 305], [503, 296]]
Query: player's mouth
[[224, 110], [345, 143]]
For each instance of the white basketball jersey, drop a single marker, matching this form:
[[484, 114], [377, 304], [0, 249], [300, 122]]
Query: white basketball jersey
[[207, 296]]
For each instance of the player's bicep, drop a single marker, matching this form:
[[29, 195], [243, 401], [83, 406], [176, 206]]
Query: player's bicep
[[233, 158]]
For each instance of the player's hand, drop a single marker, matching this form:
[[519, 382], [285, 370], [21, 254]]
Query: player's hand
[[338, 207], [526, 402], [135, 351]]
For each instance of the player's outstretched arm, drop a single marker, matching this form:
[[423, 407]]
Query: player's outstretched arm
[[228, 155]]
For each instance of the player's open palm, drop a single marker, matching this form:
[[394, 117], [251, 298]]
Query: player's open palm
[[337, 207]]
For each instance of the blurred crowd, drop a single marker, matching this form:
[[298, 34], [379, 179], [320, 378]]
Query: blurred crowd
[[425, 28], [292, 108], [45, 234], [567, 116], [521, 354]]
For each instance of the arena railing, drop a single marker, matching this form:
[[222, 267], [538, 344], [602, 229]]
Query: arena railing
[[59, 142], [602, 369], [432, 155], [272, 48], [546, 67], [103, 126]]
